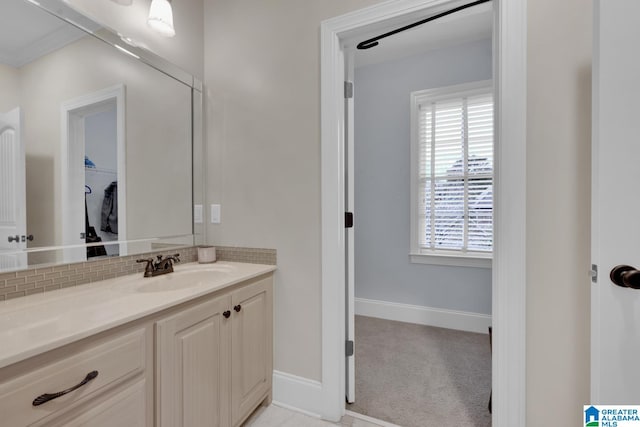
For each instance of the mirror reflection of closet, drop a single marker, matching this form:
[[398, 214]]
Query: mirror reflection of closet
[[93, 174], [101, 181], [53, 71]]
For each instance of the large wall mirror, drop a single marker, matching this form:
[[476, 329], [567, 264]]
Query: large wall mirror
[[96, 141]]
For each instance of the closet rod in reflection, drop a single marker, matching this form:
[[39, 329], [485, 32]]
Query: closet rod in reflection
[[367, 44]]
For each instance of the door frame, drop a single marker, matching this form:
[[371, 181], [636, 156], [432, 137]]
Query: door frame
[[509, 262], [72, 146]]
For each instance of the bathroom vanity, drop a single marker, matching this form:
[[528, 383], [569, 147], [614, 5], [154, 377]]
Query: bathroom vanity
[[189, 348]]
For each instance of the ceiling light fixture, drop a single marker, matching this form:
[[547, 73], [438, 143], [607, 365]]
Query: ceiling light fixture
[[161, 17]]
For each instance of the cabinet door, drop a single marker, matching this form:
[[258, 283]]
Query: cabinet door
[[192, 364], [251, 346]]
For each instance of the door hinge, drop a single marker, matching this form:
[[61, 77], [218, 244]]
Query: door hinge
[[348, 219], [594, 273], [349, 348], [348, 90]]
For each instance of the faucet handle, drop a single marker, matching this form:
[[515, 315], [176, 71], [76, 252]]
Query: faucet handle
[[177, 257], [149, 268]]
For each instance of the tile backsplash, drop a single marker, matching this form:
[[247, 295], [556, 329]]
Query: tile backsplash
[[248, 255], [44, 279]]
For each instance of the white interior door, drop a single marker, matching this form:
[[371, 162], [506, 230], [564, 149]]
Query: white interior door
[[350, 278], [13, 212], [615, 311]]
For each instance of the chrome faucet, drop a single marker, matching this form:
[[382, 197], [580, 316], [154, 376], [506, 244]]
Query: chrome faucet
[[160, 266]]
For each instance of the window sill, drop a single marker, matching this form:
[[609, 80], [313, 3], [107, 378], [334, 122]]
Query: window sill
[[469, 260]]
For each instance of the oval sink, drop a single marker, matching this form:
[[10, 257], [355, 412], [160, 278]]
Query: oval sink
[[166, 285], [185, 278]]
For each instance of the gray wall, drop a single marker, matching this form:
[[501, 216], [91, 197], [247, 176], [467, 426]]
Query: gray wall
[[100, 139], [382, 161]]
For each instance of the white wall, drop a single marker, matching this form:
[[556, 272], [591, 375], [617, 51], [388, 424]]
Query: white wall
[[158, 151], [262, 68], [184, 50], [9, 88], [558, 207], [382, 197]]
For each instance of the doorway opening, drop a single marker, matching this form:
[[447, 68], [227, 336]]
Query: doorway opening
[[508, 266], [93, 175], [419, 272]]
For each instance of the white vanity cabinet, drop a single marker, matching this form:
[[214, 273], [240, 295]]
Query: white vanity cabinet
[[120, 392], [192, 353], [193, 362], [214, 359], [251, 348]]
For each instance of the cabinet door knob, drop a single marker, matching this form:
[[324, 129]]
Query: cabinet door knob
[[226, 314], [237, 308]]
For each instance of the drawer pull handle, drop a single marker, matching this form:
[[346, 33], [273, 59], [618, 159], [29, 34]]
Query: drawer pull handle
[[44, 398], [237, 308], [226, 314]]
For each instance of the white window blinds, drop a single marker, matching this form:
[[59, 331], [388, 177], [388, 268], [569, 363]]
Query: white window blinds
[[455, 172]]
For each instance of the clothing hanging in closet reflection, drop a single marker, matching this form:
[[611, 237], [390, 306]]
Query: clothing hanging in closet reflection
[[109, 218]]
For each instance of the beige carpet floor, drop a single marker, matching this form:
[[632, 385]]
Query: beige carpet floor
[[421, 376]]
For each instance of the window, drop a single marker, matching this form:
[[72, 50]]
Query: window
[[452, 175]]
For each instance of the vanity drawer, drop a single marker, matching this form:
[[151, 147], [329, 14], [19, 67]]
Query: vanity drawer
[[115, 360]]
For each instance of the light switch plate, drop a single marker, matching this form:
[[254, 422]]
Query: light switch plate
[[215, 214], [197, 214]]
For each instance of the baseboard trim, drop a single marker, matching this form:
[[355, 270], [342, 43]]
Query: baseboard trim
[[451, 319], [369, 419], [297, 394]]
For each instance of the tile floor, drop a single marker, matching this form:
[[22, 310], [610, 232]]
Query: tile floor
[[275, 416]]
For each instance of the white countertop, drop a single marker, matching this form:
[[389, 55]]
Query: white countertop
[[38, 323]]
